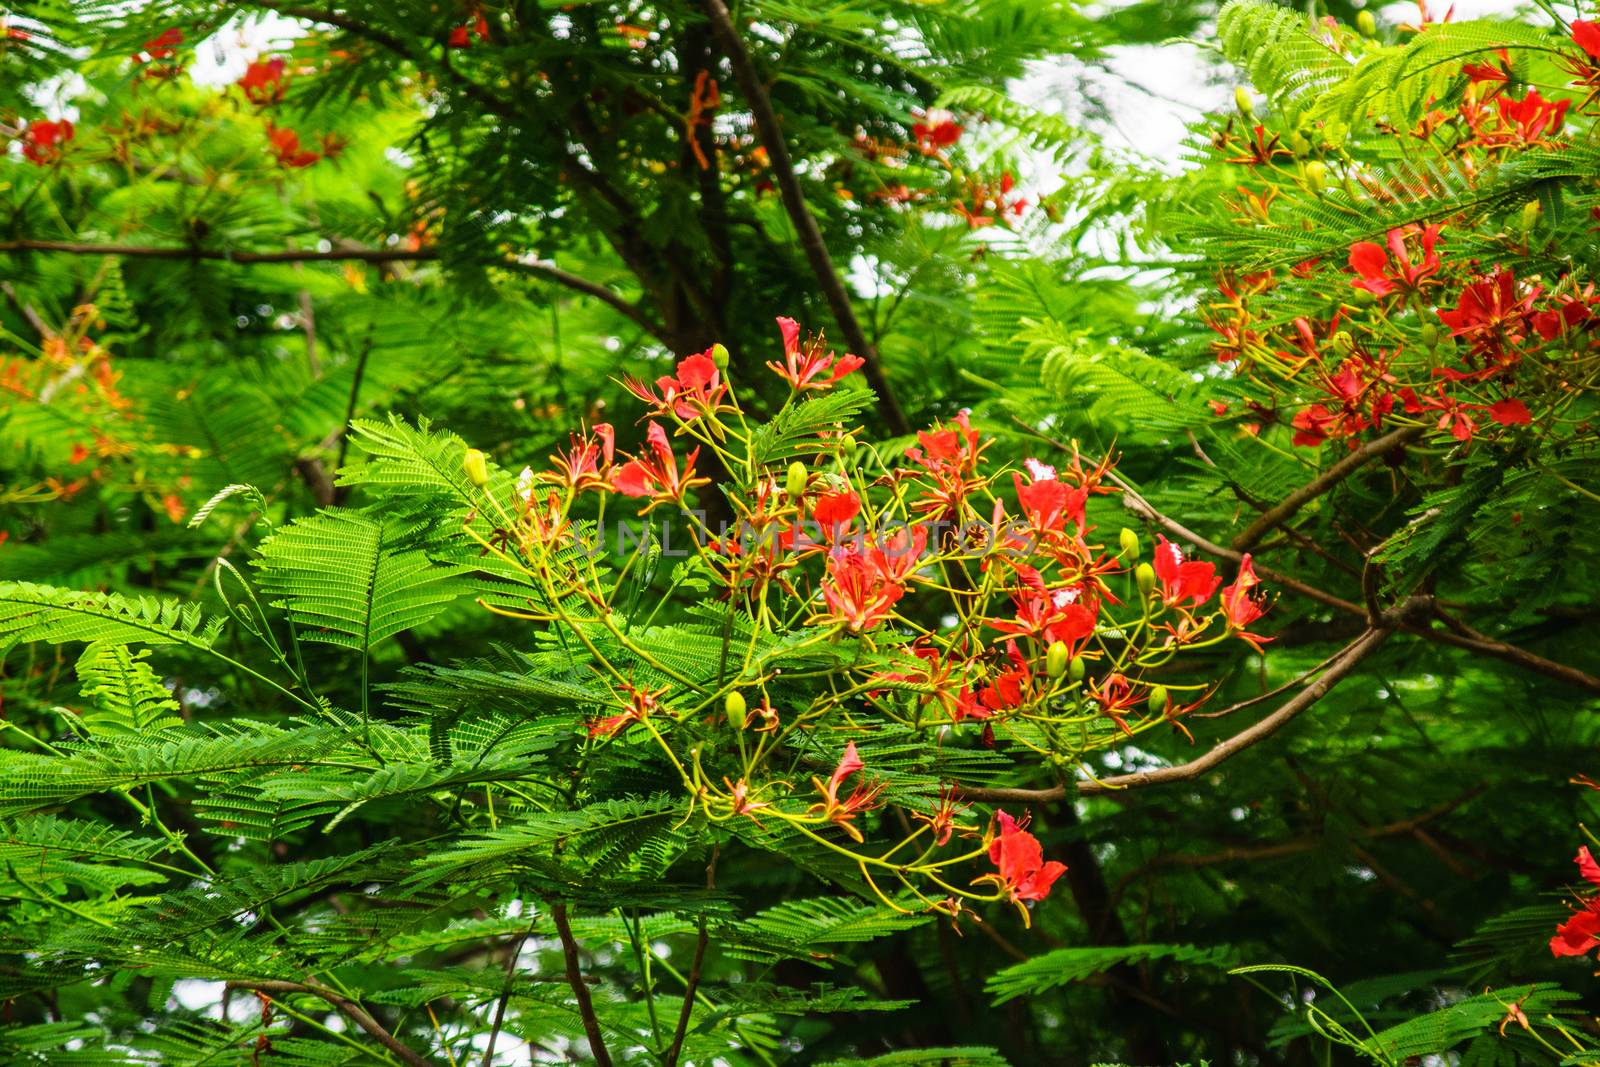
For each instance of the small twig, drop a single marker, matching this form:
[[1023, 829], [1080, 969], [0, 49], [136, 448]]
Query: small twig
[[505, 996], [346, 1007], [1341, 665], [1286, 508], [580, 990]]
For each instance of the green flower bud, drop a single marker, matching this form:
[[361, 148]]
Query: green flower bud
[[1297, 143], [795, 484], [848, 445], [719, 355], [1130, 544], [734, 707], [1430, 335], [1077, 669], [1343, 343], [1145, 576], [1530, 214], [1158, 699], [1241, 100], [1316, 175], [476, 466], [1055, 659], [1367, 24]]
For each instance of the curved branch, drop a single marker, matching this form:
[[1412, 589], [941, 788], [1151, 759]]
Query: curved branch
[[1285, 509], [344, 1006], [1341, 665], [537, 268], [805, 224]]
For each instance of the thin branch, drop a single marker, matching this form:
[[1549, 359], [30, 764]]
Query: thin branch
[[341, 254], [580, 990], [805, 224], [1464, 636], [505, 996], [1285, 509], [690, 986], [346, 1007], [1341, 665]]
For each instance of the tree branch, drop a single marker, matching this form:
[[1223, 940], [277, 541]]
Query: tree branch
[[580, 991], [346, 1007], [1285, 509], [690, 987], [537, 268], [805, 224], [1338, 668]]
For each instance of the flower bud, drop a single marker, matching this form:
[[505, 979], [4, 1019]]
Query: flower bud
[[1316, 174], [1077, 669], [1297, 143], [1145, 576], [1430, 335], [1055, 659], [1367, 24], [1130, 544], [848, 445], [1158, 699], [795, 483], [1343, 343], [477, 466], [734, 707], [719, 355], [1530, 214], [1241, 100]]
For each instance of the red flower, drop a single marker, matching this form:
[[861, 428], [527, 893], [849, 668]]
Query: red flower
[[1191, 580], [42, 142], [262, 81], [586, 461], [860, 589], [843, 812], [942, 821], [697, 390], [285, 145], [638, 706], [1240, 607], [1586, 35], [937, 130], [1510, 412], [461, 36], [1530, 118], [804, 366], [1055, 616], [1048, 502], [1371, 262], [1581, 932], [1023, 873], [833, 511], [1490, 314], [164, 46], [657, 475]]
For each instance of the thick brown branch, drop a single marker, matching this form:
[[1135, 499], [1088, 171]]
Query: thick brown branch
[[805, 224], [1463, 636], [336, 255], [1341, 665], [580, 989], [344, 1006], [1286, 508], [690, 987]]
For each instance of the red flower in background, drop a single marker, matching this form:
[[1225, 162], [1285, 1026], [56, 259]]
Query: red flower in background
[[164, 46], [263, 82], [936, 131], [1491, 315], [1371, 262], [285, 146], [42, 142], [476, 26]]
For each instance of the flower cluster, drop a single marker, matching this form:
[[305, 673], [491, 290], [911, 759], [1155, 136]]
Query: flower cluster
[[1441, 325], [931, 591]]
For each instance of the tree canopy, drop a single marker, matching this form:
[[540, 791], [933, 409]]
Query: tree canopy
[[741, 533]]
